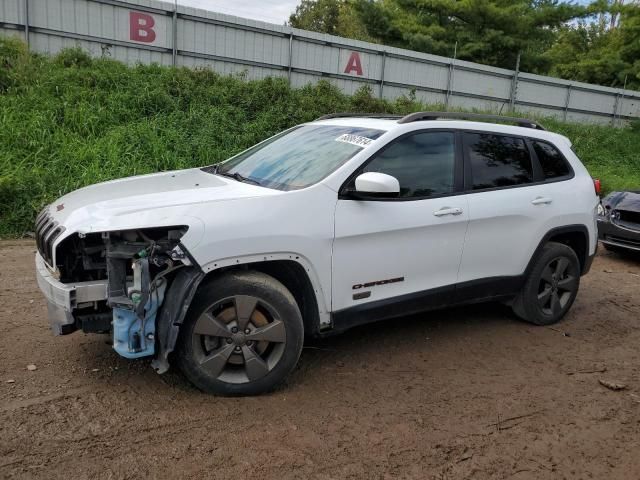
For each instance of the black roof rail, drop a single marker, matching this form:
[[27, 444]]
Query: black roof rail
[[362, 115], [422, 116]]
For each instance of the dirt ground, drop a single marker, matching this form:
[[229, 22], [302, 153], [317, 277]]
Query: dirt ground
[[464, 393]]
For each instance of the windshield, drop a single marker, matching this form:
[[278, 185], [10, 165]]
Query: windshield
[[298, 157]]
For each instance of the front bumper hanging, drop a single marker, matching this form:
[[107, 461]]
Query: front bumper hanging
[[62, 298]]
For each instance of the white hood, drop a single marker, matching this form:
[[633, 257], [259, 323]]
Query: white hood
[[161, 199]]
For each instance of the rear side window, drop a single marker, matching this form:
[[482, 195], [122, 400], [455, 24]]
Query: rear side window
[[498, 161], [551, 160], [423, 164]]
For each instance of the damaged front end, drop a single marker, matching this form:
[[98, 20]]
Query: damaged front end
[[118, 283]]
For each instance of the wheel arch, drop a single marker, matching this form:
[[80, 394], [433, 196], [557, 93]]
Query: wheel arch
[[295, 279], [575, 237], [294, 271]]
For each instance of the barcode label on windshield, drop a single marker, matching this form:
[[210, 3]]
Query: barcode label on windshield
[[354, 140]]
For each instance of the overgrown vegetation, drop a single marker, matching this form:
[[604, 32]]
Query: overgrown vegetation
[[70, 121]]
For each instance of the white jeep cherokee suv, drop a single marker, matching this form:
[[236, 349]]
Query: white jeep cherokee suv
[[331, 224]]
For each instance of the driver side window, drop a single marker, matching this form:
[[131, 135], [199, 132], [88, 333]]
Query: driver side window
[[423, 163]]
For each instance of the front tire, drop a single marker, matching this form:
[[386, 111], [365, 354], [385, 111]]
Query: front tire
[[552, 286], [242, 336]]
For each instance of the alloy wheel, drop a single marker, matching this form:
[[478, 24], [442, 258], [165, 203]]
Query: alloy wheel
[[558, 285], [239, 339]]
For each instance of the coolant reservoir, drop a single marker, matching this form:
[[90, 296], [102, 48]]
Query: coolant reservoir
[[134, 337]]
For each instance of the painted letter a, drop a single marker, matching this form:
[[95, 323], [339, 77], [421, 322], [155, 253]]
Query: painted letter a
[[354, 64]]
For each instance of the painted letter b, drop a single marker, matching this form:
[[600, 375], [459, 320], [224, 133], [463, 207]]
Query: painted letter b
[[141, 27]]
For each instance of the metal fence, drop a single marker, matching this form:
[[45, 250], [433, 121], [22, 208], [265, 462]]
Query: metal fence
[[152, 31]]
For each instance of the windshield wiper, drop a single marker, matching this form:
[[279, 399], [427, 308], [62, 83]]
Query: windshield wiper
[[236, 176]]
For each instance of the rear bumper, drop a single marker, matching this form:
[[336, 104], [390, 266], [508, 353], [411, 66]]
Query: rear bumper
[[62, 298], [611, 234]]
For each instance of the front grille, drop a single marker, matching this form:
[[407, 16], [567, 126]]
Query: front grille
[[626, 218], [47, 230]]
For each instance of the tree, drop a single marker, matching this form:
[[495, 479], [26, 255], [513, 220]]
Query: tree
[[317, 15], [492, 32], [630, 32], [605, 51], [335, 17]]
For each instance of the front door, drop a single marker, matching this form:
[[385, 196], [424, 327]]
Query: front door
[[406, 248]]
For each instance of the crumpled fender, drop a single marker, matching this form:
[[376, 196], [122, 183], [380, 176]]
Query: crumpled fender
[[172, 313]]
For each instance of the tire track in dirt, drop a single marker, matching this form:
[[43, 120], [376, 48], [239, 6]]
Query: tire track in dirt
[[463, 393]]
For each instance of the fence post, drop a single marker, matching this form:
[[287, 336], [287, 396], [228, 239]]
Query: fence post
[[566, 103], [290, 57], [615, 109], [384, 61], [514, 85], [450, 77], [620, 105], [26, 22], [174, 53]]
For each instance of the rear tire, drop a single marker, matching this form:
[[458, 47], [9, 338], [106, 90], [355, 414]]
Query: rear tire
[[551, 287], [242, 336]]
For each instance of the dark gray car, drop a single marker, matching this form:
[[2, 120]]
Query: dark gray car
[[619, 221]]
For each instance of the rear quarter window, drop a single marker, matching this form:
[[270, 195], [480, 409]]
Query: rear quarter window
[[553, 163]]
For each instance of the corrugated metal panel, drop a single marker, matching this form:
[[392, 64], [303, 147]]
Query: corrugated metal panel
[[222, 41], [586, 118], [133, 56], [546, 112], [431, 98], [570, 116], [299, 80], [226, 68], [581, 100], [142, 31], [400, 70], [629, 107], [314, 57], [476, 103], [347, 86], [535, 92], [10, 32], [482, 84], [12, 11]]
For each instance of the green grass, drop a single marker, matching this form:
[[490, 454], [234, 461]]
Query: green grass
[[70, 120]]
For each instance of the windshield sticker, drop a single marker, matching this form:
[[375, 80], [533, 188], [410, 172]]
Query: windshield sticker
[[356, 140]]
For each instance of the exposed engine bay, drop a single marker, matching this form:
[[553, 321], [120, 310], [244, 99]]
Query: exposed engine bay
[[137, 266]]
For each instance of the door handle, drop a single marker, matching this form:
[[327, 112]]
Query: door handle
[[542, 201], [447, 211]]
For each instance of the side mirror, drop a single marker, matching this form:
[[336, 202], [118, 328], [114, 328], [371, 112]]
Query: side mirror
[[376, 185]]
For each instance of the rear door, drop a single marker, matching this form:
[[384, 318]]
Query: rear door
[[509, 209]]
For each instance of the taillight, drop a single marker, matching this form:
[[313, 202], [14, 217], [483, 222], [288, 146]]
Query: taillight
[[597, 185]]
